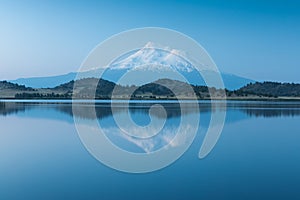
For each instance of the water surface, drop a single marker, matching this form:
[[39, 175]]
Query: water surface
[[256, 157]]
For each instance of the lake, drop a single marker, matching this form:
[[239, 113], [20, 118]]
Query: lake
[[256, 157]]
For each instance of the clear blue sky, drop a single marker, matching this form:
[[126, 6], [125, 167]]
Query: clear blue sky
[[257, 39]]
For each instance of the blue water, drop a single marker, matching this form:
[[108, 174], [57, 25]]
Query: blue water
[[256, 157]]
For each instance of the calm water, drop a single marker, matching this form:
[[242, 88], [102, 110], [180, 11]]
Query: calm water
[[256, 157]]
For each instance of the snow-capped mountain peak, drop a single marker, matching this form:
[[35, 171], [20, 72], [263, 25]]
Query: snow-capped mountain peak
[[153, 55]]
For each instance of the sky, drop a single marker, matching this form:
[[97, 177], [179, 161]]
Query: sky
[[257, 39]]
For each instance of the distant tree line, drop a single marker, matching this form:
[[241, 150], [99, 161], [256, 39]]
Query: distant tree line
[[160, 89], [271, 89], [25, 95]]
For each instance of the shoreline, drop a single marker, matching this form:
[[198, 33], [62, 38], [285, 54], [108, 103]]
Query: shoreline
[[136, 100]]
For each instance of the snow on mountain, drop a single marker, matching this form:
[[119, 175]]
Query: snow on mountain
[[160, 58]]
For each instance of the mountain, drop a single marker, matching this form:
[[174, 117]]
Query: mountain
[[231, 82], [150, 64], [144, 66]]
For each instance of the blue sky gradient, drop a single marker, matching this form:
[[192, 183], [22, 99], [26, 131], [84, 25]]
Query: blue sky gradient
[[254, 39]]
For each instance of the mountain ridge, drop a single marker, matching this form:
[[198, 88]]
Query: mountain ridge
[[231, 81], [146, 65]]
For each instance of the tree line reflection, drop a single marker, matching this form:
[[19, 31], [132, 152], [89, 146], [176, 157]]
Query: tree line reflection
[[173, 110]]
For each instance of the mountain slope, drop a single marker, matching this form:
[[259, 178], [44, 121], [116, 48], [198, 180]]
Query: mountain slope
[[45, 82], [231, 82], [8, 90], [144, 66]]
